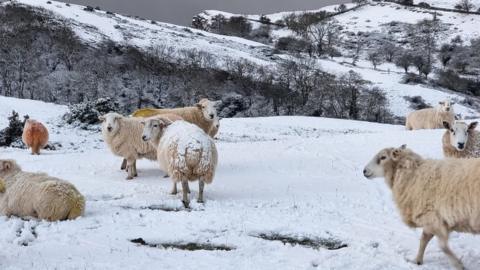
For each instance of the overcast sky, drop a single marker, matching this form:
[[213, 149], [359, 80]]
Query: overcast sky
[[182, 11]]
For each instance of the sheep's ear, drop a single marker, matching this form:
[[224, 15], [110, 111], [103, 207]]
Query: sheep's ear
[[446, 125], [395, 154], [472, 125], [143, 123], [441, 103], [403, 147], [6, 165], [198, 105], [165, 123], [101, 118]]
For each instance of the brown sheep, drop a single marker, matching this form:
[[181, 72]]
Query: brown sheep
[[35, 136]]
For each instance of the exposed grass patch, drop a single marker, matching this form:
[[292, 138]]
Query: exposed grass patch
[[190, 246], [315, 243]]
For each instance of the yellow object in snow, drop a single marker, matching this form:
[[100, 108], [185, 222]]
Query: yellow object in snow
[[2, 185], [147, 112]]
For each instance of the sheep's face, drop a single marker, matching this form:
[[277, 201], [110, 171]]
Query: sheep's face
[[376, 167], [459, 133], [446, 106], [8, 166], [208, 108], [110, 123], [153, 129]]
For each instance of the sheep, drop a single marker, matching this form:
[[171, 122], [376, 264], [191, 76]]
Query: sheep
[[38, 195], [431, 118], [35, 136], [439, 196], [123, 135], [185, 151], [461, 140], [215, 127], [203, 114], [171, 118]]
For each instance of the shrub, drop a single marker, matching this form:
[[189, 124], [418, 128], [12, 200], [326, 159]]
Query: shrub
[[292, 44], [424, 5], [411, 78], [12, 135], [417, 102], [88, 112], [89, 8]]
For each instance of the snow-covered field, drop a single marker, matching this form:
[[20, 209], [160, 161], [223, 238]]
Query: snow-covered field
[[294, 176]]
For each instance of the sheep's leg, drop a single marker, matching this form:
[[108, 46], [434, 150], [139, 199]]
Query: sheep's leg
[[130, 170], [185, 200], [135, 174], [124, 165], [201, 185], [188, 188], [174, 188], [443, 241], [426, 237]]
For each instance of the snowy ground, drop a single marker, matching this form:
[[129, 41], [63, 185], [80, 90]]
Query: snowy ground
[[296, 176]]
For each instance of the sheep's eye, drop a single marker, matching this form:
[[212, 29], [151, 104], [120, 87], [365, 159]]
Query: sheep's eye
[[156, 126], [383, 158]]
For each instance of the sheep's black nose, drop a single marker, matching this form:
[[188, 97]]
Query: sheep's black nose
[[211, 116], [109, 128], [448, 109], [364, 172], [144, 137], [461, 145]]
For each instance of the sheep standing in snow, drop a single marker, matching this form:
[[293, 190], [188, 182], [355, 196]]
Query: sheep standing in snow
[[35, 136], [171, 118], [184, 151], [431, 118], [215, 127], [123, 136], [203, 114], [38, 195], [461, 140], [439, 196]]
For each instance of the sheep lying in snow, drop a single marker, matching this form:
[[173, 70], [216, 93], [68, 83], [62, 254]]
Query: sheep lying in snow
[[38, 195], [439, 196], [123, 135], [461, 140], [431, 118], [184, 151], [35, 136], [203, 114]]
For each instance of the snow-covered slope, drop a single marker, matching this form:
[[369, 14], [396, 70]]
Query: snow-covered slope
[[95, 26], [447, 3], [295, 176]]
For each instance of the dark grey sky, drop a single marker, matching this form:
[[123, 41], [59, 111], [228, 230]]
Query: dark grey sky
[[182, 11]]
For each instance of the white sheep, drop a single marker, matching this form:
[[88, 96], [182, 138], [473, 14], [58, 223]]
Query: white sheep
[[215, 127], [431, 118], [184, 151], [203, 114], [461, 140], [439, 196], [37, 195], [123, 135]]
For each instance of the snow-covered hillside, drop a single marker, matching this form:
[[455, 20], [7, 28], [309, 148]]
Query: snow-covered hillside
[[447, 3], [95, 26], [289, 176]]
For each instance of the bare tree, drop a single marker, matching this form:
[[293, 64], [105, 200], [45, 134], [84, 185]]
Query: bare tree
[[466, 5]]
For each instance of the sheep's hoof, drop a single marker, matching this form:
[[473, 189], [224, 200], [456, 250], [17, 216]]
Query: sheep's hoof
[[129, 178], [136, 174], [186, 204], [200, 201], [173, 192], [165, 176], [418, 262]]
